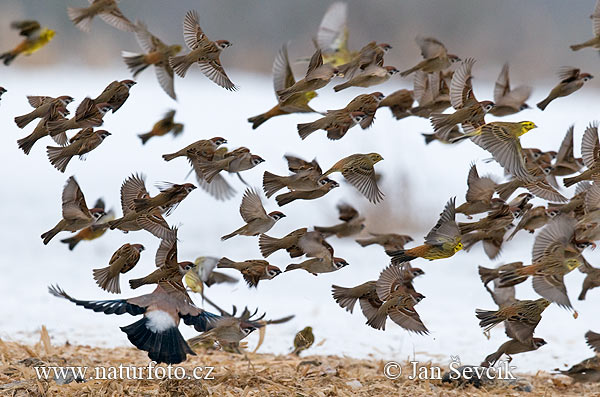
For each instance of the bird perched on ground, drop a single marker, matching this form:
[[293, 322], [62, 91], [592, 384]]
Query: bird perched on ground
[[203, 273], [163, 127], [590, 153], [36, 37], [443, 241], [75, 212], [254, 214], [509, 101], [400, 102], [389, 241], [87, 116], [317, 76], [589, 369], [123, 260], [501, 139], [521, 317], [44, 106], [303, 340], [571, 79], [469, 112], [92, 232], [326, 185], [156, 53], [352, 223], [157, 332], [284, 78], [202, 51], [80, 145], [107, 10], [595, 41], [332, 36], [358, 169], [152, 221], [253, 270], [371, 76], [479, 194], [397, 301], [435, 54], [169, 269]]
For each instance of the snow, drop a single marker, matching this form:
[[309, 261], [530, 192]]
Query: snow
[[418, 180]]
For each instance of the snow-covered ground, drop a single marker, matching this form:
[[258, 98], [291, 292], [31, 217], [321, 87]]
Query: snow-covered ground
[[418, 180]]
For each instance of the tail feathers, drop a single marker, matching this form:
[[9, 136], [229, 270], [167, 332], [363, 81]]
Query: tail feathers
[[570, 181], [26, 144], [105, 281], [305, 129], [429, 138], [166, 157], [49, 235], [510, 278], [543, 104], [342, 86], [56, 127], [293, 266], [272, 183], [22, 121], [8, 57], [341, 296], [268, 245], [163, 345], [79, 17], [506, 189], [488, 318], [226, 263], [364, 243], [378, 320], [71, 242], [582, 294], [115, 223], [145, 137], [491, 359], [230, 235], [135, 62], [180, 65], [57, 158], [486, 274], [258, 120], [400, 256], [137, 282], [577, 47], [408, 71], [284, 199]]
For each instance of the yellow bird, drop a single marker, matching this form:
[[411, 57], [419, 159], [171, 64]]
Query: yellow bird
[[35, 38], [501, 139], [443, 241]]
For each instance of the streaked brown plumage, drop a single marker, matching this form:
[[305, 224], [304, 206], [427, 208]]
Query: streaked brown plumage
[[571, 80], [123, 260], [253, 270], [107, 10], [358, 169], [163, 127], [82, 143]]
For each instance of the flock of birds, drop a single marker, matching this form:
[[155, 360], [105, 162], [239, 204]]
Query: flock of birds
[[567, 226]]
